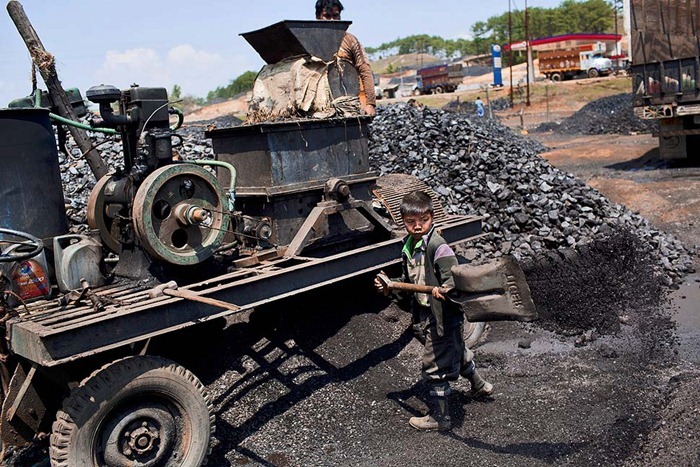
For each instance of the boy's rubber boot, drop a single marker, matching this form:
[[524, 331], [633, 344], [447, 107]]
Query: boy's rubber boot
[[438, 418], [480, 387]]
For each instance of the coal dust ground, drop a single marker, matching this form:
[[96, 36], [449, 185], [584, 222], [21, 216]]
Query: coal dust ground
[[330, 378]]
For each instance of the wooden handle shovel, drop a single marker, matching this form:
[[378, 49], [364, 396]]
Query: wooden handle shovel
[[494, 291]]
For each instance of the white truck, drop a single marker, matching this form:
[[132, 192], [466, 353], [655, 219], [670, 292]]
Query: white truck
[[586, 60]]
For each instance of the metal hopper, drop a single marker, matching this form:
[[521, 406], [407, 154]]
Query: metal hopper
[[290, 38]]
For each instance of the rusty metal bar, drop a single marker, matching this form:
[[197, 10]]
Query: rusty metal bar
[[50, 345]]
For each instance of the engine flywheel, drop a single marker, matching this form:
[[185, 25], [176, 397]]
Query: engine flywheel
[[104, 214], [180, 215]]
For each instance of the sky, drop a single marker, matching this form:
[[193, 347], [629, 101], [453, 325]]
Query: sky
[[196, 45]]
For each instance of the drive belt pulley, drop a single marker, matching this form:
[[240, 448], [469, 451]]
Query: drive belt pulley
[[107, 209], [179, 214]]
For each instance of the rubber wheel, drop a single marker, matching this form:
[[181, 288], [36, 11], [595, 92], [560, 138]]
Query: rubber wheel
[[472, 333], [555, 77], [145, 411], [416, 92], [592, 73], [439, 90]]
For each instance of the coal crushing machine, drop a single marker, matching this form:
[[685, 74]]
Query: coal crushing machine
[[285, 207]]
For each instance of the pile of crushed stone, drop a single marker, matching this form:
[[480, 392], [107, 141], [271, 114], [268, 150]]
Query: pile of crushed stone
[[479, 166], [476, 165], [607, 115]]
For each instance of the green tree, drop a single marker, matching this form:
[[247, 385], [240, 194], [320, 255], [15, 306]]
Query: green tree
[[571, 16], [243, 83], [175, 93], [480, 29]]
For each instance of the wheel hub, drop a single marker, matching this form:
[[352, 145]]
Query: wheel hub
[[144, 435], [142, 440]]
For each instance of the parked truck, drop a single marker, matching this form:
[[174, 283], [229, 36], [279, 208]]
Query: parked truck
[[438, 79], [665, 71], [587, 60]]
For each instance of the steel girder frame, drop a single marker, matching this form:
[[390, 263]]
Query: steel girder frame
[[62, 335]]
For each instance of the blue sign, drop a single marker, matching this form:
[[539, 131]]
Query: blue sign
[[496, 55]]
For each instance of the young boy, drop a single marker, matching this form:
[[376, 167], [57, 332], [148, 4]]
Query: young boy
[[437, 323], [479, 107]]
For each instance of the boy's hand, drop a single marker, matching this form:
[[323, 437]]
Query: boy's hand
[[437, 294], [380, 283]]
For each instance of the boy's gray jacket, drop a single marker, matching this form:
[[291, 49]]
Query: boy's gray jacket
[[438, 273]]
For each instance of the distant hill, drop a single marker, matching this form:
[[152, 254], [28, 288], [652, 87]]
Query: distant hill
[[396, 63]]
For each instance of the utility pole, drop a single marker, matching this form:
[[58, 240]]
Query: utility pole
[[510, 51], [527, 57], [617, 42]]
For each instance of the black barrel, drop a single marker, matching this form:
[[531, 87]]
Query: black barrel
[[31, 195]]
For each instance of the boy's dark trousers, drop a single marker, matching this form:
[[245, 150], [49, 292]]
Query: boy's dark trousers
[[446, 356]]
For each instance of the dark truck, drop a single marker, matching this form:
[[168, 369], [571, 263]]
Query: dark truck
[[665, 68], [438, 79]]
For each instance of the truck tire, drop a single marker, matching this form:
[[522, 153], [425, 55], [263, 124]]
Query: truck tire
[[140, 410], [439, 90], [416, 92], [593, 73], [555, 77]]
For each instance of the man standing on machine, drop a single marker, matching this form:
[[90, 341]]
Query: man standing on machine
[[352, 51]]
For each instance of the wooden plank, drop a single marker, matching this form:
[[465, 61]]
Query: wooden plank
[[663, 30]]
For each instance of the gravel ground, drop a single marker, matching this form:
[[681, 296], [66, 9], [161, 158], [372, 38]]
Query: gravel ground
[[607, 115], [331, 378]]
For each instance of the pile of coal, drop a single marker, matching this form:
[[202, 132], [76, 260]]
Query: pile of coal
[[478, 166], [467, 107], [581, 290], [608, 115]]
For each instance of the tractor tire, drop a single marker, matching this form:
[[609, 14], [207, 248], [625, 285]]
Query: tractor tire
[[555, 77], [142, 410], [593, 73]]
